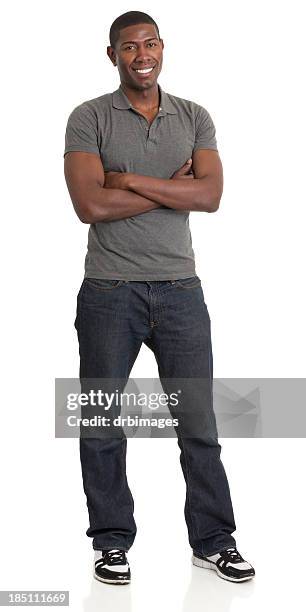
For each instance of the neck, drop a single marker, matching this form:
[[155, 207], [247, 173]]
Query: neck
[[146, 99]]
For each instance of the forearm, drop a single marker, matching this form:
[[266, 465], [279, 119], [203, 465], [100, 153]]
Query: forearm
[[194, 195], [115, 204]]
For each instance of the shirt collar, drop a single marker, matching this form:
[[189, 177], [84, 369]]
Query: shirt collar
[[121, 101]]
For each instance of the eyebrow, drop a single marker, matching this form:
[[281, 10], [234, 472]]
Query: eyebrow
[[134, 42]]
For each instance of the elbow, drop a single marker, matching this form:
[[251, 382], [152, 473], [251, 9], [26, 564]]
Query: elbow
[[215, 199], [94, 210], [88, 216], [85, 216], [209, 205], [214, 205], [208, 199]]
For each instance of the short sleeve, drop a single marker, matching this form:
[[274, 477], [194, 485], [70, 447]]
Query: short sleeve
[[205, 137], [82, 131]]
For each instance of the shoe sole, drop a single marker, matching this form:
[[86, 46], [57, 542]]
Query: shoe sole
[[109, 581], [209, 565]]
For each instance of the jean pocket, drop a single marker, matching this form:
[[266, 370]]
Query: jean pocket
[[103, 284], [188, 283]]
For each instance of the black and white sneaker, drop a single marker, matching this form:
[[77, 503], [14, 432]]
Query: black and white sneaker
[[112, 566], [228, 564]]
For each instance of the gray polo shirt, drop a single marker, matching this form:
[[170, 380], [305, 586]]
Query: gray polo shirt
[[154, 245]]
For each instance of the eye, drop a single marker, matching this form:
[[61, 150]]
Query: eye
[[154, 44]]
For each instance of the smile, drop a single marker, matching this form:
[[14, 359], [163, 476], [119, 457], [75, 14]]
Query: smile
[[144, 70]]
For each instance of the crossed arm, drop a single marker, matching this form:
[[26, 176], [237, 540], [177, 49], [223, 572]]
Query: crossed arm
[[108, 196]]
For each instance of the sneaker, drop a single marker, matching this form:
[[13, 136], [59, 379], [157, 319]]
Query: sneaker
[[228, 564], [112, 566]]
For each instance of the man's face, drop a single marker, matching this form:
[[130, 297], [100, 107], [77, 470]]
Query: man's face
[[138, 48]]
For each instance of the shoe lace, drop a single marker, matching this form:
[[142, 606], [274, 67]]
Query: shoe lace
[[233, 555], [115, 556]]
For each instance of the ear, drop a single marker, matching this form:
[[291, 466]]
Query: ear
[[112, 55]]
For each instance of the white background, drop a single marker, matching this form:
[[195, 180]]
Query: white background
[[243, 61]]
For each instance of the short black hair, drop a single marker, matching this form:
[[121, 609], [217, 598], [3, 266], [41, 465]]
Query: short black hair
[[128, 19]]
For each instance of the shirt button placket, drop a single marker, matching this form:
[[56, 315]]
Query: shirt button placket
[[147, 133]]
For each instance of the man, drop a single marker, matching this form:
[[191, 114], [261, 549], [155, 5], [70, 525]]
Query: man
[[137, 161]]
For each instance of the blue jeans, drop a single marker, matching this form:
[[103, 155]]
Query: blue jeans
[[114, 318]]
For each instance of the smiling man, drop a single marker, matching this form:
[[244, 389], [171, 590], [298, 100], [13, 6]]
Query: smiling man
[[137, 162]]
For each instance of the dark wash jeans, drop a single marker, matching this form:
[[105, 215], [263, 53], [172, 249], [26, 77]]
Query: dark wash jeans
[[114, 318]]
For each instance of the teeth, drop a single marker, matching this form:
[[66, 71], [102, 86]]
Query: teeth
[[145, 71]]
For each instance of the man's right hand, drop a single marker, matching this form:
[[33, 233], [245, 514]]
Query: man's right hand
[[185, 172]]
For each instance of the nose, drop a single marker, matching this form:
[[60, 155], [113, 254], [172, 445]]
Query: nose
[[143, 54]]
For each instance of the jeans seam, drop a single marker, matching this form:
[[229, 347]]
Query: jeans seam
[[187, 491]]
